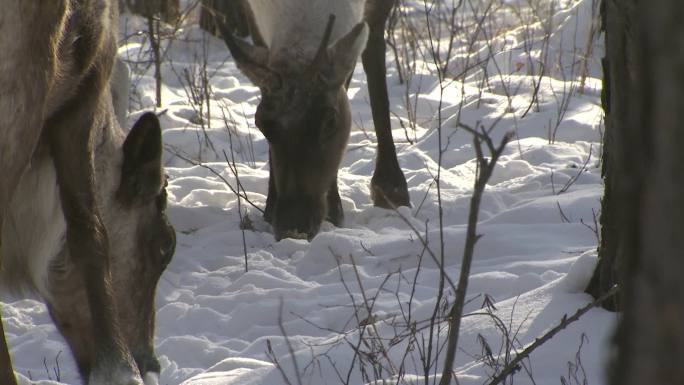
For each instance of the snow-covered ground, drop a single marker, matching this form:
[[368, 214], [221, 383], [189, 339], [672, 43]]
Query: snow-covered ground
[[372, 278]]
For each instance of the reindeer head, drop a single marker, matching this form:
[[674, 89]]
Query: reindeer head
[[131, 186], [304, 114], [142, 194]]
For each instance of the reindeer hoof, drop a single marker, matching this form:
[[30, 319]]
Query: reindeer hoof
[[390, 191]]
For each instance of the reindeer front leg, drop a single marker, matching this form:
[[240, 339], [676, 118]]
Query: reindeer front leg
[[70, 136], [335, 212], [272, 195], [388, 185]]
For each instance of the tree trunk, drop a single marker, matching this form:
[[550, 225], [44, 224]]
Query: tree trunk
[[607, 273], [645, 186], [167, 10]]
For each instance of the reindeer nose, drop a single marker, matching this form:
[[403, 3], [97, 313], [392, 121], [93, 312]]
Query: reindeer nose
[[151, 378], [302, 228], [298, 217], [149, 367], [294, 234]]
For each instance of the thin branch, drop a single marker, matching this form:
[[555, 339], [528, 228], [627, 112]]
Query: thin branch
[[239, 198], [565, 321], [218, 175], [281, 326], [485, 169], [272, 356], [579, 173]]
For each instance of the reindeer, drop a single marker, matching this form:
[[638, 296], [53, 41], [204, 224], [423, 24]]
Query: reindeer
[[82, 205], [302, 58]]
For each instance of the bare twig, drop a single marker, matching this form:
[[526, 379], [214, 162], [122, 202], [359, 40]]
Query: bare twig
[[290, 349], [153, 32], [565, 321], [239, 198], [485, 169], [218, 175], [576, 373], [274, 358], [593, 227], [575, 177], [564, 218], [369, 309]]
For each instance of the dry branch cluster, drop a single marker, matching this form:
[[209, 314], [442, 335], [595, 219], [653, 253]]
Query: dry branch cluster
[[459, 42]]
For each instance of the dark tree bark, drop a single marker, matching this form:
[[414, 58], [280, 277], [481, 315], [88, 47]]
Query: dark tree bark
[[167, 10], [616, 91], [643, 245]]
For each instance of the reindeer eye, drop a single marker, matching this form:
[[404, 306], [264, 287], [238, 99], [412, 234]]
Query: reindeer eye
[[273, 83], [166, 243], [161, 200], [329, 123], [166, 251]]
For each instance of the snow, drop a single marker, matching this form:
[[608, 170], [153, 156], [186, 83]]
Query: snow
[[216, 321]]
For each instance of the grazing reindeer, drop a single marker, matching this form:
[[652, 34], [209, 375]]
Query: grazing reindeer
[[304, 54], [82, 205]]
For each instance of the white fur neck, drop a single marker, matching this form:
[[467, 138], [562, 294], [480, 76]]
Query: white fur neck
[[294, 28]]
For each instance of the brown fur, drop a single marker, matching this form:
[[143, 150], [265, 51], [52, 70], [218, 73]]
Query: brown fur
[[304, 111], [100, 286]]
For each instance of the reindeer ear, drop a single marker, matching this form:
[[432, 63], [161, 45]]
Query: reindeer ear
[[344, 53], [142, 176], [250, 59]]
